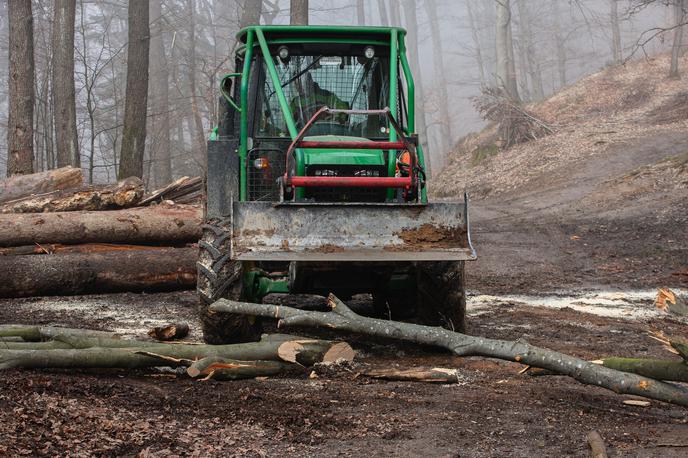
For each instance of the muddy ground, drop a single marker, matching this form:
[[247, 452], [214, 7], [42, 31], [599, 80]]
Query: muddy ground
[[567, 263], [516, 292]]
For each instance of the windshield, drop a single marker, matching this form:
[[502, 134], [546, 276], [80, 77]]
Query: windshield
[[311, 82]]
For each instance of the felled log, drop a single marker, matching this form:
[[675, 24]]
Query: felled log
[[659, 369], [146, 225], [232, 369], [53, 248], [172, 331], [597, 447], [124, 194], [342, 318], [150, 354], [433, 375], [18, 186], [183, 190], [33, 333], [75, 273]]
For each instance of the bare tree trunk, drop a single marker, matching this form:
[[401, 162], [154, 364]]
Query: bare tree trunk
[[533, 65], [160, 149], [446, 138], [196, 115], [561, 46], [63, 84], [394, 13], [679, 14], [251, 13], [298, 12], [476, 42], [616, 33], [360, 12], [412, 45], [21, 89], [136, 103], [506, 77]]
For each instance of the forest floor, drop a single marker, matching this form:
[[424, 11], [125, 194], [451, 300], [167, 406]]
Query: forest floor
[[571, 247]]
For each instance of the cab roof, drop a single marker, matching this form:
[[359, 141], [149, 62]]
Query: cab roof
[[276, 32]]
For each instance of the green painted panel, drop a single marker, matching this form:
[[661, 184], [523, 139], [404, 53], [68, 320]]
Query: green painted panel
[[327, 156]]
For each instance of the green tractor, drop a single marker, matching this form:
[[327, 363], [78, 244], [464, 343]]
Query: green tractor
[[316, 183]]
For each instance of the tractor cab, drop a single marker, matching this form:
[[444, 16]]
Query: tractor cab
[[332, 88]]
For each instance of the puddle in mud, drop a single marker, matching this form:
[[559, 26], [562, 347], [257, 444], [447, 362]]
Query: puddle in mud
[[614, 304]]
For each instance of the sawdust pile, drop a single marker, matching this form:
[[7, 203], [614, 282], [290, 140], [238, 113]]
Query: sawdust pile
[[614, 107]]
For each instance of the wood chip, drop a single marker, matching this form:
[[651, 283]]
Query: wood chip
[[635, 402]]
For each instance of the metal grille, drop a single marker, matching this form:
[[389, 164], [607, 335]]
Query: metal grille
[[342, 82], [346, 194], [262, 182]]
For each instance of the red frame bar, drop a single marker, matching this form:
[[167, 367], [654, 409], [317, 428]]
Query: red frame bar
[[348, 182], [351, 145]]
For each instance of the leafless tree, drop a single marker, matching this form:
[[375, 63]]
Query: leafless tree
[[63, 84], [135, 111], [506, 74], [679, 20], [616, 32], [160, 98], [21, 89]]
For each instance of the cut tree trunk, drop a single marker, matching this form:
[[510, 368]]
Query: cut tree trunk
[[18, 186], [597, 447], [231, 369], [31, 333], [182, 190], [434, 375], [150, 354], [655, 368], [162, 223], [126, 193], [74, 273], [344, 319], [52, 248]]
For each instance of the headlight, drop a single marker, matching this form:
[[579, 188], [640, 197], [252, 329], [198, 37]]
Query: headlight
[[261, 163]]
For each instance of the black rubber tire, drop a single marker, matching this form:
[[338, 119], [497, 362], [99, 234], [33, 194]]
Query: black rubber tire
[[441, 287], [220, 277]]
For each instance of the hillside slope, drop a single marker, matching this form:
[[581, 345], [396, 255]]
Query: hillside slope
[[602, 202], [601, 116]]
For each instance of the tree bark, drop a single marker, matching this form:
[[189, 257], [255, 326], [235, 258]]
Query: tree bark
[[21, 89], [360, 12], [74, 273], [148, 354], [298, 12], [506, 78], [53, 248], [231, 369], [160, 146], [434, 375], [199, 135], [136, 103], [20, 186], [679, 12], [63, 84], [616, 32], [655, 368], [344, 319], [126, 193], [597, 447], [161, 223], [32, 333], [382, 11], [251, 12]]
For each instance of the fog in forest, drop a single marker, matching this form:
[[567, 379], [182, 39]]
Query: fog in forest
[[452, 46]]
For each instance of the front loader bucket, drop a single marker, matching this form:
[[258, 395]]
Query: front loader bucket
[[268, 231]]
